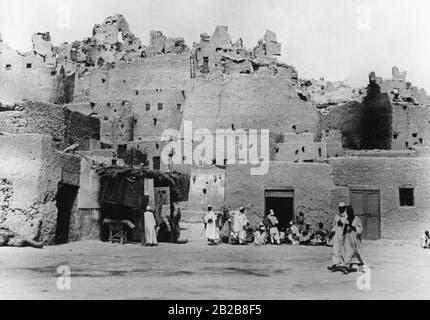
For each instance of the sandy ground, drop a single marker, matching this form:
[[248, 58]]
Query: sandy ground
[[398, 270]]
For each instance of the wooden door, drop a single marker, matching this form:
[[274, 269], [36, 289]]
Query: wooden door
[[366, 205]]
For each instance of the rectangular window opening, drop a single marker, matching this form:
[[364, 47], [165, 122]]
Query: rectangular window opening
[[406, 196]]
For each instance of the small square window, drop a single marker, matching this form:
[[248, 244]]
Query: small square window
[[28, 65], [147, 107], [160, 106], [406, 196], [8, 67]]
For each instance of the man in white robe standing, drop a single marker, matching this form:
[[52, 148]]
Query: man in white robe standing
[[150, 227], [210, 225], [339, 222], [273, 228], [239, 223]]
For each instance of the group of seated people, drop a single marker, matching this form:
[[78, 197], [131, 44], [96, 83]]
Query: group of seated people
[[298, 232], [233, 228]]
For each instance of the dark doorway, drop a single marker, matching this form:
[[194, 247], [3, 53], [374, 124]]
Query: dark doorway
[[65, 199], [205, 65], [281, 201], [156, 163]]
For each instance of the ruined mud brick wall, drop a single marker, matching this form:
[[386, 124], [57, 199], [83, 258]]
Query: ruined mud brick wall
[[300, 147], [333, 141], [400, 89], [216, 55], [411, 125], [151, 147], [230, 146], [81, 129], [30, 171], [248, 102], [207, 187], [116, 122], [30, 75], [410, 110], [156, 110], [387, 175], [314, 191], [121, 81], [295, 151], [113, 63], [364, 124], [65, 127]]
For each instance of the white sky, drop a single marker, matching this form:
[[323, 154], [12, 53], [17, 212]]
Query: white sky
[[330, 38]]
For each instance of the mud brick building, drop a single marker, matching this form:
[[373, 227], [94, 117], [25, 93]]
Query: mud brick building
[[68, 106]]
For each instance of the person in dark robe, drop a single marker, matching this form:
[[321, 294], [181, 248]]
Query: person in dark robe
[[301, 221], [225, 225], [306, 235], [174, 220], [320, 235]]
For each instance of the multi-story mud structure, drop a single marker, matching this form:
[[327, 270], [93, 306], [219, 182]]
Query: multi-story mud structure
[[328, 142]]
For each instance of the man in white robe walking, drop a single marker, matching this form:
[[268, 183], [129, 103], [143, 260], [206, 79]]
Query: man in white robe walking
[[338, 237]]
